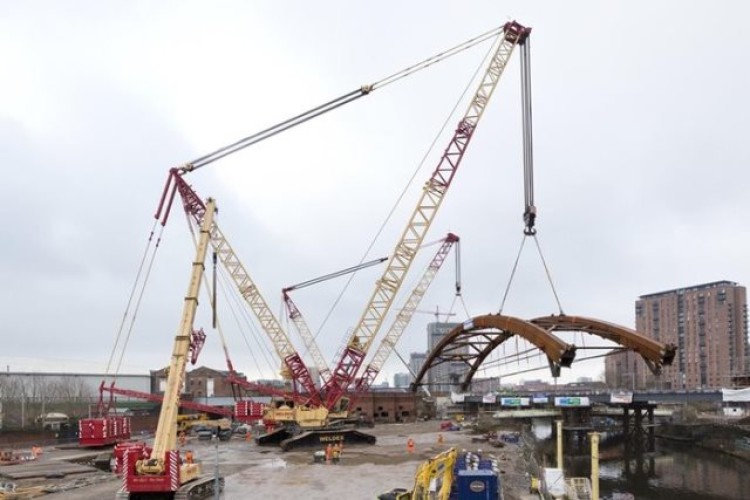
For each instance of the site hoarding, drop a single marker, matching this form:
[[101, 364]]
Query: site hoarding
[[623, 397], [515, 402], [573, 401]]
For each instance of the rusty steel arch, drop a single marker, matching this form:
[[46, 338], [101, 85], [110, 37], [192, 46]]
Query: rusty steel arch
[[656, 354], [474, 340]]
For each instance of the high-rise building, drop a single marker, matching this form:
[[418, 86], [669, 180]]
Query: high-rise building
[[401, 380], [709, 325], [416, 360], [445, 376]]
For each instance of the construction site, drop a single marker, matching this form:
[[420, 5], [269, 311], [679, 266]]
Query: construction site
[[323, 424]]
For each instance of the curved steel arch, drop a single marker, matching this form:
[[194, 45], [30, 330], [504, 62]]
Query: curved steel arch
[[474, 340], [656, 354]]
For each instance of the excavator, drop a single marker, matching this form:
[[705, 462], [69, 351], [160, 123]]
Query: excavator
[[453, 475], [158, 471]]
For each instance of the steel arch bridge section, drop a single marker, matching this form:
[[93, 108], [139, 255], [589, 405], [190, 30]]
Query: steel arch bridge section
[[474, 340], [656, 354]]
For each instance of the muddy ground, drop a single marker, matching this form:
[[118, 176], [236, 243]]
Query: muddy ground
[[364, 471]]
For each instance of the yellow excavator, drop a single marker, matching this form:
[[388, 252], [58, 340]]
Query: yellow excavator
[[451, 474]]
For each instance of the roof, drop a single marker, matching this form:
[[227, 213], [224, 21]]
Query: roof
[[694, 288]]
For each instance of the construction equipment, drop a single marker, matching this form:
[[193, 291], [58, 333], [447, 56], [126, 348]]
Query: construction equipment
[[333, 393], [432, 196], [389, 341], [159, 471], [299, 322], [301, 412], [453, 475], [294, 368]]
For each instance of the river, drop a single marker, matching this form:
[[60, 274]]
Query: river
[[674, 471]]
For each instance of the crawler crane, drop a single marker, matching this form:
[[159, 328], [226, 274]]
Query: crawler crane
[[432, 197], [160, 472], [294, 367], [403, 318]]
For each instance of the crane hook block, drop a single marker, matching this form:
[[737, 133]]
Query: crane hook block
[[529, 218]]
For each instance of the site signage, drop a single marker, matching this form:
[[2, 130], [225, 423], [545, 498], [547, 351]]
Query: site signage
[[624, 397], [514, 401], [568, 401]]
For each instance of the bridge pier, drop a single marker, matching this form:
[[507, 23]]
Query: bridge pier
[[576, 428], [639, 428]]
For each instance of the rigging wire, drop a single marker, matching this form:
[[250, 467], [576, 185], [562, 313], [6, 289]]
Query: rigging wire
[[264, 134], [546, 367], [416, 171], [130, 297], [234, 304], [334, 103], [138, 303], [227, 295], [512, 274], [549, 276], [244, 323]]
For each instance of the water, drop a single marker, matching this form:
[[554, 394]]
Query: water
[[675, 471], [679, 472]]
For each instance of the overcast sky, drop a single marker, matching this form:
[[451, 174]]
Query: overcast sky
[[641, 158]]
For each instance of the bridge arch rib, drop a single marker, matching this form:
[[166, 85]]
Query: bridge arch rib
[[656, 354], [471, 342]]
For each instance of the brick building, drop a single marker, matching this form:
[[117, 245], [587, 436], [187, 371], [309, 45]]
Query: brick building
[[709, 325], [201, 382], [389, 406]]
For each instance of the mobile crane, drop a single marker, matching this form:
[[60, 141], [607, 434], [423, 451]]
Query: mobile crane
[[159, 471], [411, 239]]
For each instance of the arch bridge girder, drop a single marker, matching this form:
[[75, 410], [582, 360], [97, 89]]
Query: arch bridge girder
[[656, 354], [471, 342]]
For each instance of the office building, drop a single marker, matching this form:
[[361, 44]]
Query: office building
[[416, 360], [445, 376], [401, 380]]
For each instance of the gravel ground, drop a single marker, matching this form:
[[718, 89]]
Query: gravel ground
[[363, 473]]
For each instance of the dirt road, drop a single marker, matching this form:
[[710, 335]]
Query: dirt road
[[363, 472]]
